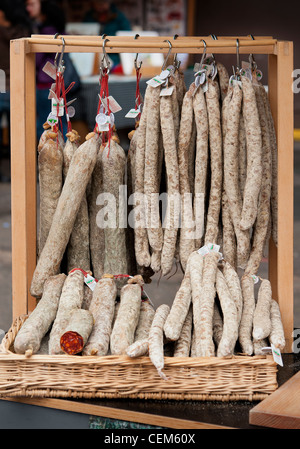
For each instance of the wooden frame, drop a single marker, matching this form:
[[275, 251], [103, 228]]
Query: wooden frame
[[23, 147]]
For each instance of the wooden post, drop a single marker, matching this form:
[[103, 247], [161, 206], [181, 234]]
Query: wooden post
[[23, 175], [281, 258]]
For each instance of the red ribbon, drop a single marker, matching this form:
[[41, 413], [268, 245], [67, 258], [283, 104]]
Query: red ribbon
[[137, 90], [104, 93]]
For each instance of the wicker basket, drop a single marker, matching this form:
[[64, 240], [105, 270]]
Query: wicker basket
[[206, 378]]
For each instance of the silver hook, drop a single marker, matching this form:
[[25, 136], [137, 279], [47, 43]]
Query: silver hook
[[137, 67], [176, 61], [203, 54], [104, 57], [169, 52], [237, 56], [253, 64], [60, 67]]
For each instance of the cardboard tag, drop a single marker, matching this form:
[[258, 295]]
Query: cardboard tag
[[233, 81], [132, 113], [166, 91], [113, 104], [275, 353], [210, 247], [50, 70], [52, 119], [57, 105], [90, 281], [155, 82], [255, 278]]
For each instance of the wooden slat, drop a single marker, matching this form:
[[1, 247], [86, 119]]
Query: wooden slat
[[151, 45], [23, 175], [281, 258], [280, 410]]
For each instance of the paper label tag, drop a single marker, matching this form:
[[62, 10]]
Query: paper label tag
[[113, 104], [166, 91], [50, 70], [52, 119], [156, 81], [52, 93], [275, 353], [132, 113], [210, 247], [90, 281], [233, 81], [57, 105], [255, 278]]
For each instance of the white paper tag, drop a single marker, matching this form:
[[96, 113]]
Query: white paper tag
[[132, 113], [52, 93], [203, 251], [233, 81], [90, 281], [166, 91], [210, 247], [57, 105], [113, 104], [156, 81], [52, 119], [50, 70], [255, 278], [275, 353]]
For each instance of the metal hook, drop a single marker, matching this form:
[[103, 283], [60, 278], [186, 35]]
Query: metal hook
[[237, 56], [60, 67], [252, 62], [169, 52], [137, 67], [203, 54], [104, 57], [176, 61]]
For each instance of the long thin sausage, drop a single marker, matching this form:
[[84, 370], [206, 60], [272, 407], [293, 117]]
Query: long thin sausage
[[65, 214], [231, 172], [78, 249], [29, 337], [97, 242], [254, 155], [151, 187], [171, 221], [71, 299], [246, 324], [50, 164], [215, 146], [263, 213], [113, 164], [179, 308], [122, 335], [187, 243], [230, 317], [201, 164], [141, 242], [102, 307], [156, 338]]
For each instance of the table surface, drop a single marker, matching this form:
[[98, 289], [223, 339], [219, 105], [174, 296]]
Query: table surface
[[77, 413]]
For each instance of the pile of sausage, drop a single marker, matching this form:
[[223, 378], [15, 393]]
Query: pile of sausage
[[213, 143], [220, 314], [217, 144]]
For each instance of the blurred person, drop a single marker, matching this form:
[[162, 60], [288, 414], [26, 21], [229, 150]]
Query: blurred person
[[48, 18], [14, 24], [111, 20]]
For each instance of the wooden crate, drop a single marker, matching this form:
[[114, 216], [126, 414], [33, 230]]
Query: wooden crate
[[23, 147]]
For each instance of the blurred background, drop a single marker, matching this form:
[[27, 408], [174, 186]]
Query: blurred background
[[21, 18]]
